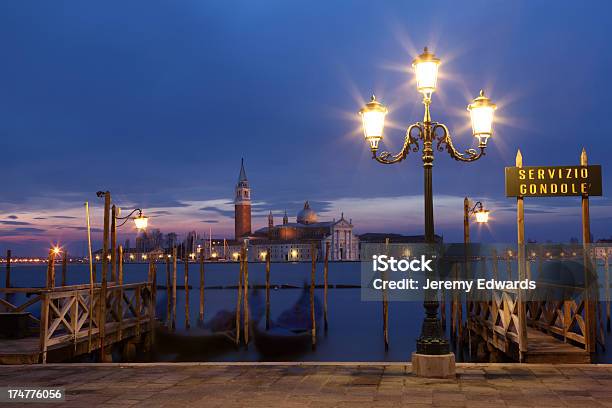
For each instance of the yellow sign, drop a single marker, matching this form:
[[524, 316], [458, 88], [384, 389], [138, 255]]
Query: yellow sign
[[553, 181]]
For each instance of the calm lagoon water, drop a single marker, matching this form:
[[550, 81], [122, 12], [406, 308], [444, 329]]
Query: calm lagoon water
[[354, 331]]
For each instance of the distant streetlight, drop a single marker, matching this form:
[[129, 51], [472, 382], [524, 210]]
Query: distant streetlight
[[478, 210], [481, 111]]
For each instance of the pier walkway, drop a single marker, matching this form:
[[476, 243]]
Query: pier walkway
[[69, 321], [317, 385]]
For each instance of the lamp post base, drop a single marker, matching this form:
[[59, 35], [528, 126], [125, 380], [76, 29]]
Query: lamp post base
[[433, 366]]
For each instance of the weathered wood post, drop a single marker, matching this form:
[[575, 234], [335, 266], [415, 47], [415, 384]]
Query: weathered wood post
[[520, 222], [202, 286], [268, 254], [246, 295], [102, 300], [92, 278], [120, 295], [44, 324], [607, 285], [154, 306], [168, 293], [239, 298], [113, 243], [50, 283], [325, 273], [64, 267], [187, 324], [8, 268], [313, 322], [151, 306], [589, 302], [385, 302], [174, 264], [466, 270]]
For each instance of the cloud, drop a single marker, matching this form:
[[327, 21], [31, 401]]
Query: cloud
[[14, 222], [39, 218], [210, 221], [22, 231], [12, 217], [160, 212], [68, 217], [225, 213]]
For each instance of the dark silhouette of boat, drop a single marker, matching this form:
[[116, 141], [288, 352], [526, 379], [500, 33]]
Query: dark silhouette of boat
[[291, 332]]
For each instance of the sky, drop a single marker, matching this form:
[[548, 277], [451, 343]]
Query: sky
[[157, 102]]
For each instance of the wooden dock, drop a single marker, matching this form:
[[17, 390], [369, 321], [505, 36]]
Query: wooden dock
[[535, 330], [71, 322]]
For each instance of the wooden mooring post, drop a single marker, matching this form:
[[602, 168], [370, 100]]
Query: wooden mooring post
[[50, 281], [64, 267], [202, 286], [8, 268], [246, 296], [313, 321], [168, 292], [113, 234], [103, 290], [268, 254], [239, 298], [120, 281], [174, 262], [91, 277], [385, 302], [325, 273], [187, 323], [607, 285]]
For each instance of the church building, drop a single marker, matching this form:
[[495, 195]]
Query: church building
[[291, 241]]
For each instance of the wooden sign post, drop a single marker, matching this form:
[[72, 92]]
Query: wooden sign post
[[555, 181]]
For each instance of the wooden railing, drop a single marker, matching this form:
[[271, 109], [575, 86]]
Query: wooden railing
[[500, 320], [73, 314]]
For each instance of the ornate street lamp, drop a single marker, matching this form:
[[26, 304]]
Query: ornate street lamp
[[140, 221], [482, 215], [429, 132]]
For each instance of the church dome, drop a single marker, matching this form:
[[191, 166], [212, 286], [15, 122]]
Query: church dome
[[307, 215]]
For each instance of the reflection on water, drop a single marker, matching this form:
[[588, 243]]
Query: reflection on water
[[355, 330]]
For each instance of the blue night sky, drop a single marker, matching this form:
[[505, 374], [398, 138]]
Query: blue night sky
[[157, 101]]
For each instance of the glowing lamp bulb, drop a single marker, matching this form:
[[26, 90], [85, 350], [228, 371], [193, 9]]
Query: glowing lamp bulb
[[373, 121], [141, 222], [426, 71], [56, 250], [482, 216], [294, 253], [481, 114]]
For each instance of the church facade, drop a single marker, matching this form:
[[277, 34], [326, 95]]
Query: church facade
[[291, 241]]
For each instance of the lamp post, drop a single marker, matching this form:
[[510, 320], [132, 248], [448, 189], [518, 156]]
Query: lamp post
[[478, 210], [431, 341]]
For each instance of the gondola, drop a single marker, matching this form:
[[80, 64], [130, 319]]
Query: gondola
[[291, 332]]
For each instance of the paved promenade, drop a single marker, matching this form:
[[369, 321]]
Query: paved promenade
[[345, 385]]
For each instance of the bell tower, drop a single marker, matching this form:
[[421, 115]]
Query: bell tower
[[242, 205]]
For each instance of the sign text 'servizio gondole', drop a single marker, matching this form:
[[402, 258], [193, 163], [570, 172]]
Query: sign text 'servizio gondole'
[[553, 181]]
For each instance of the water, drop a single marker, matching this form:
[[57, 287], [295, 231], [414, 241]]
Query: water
[[355, 327]]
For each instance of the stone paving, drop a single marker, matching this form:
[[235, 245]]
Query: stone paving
[[317, 385]]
